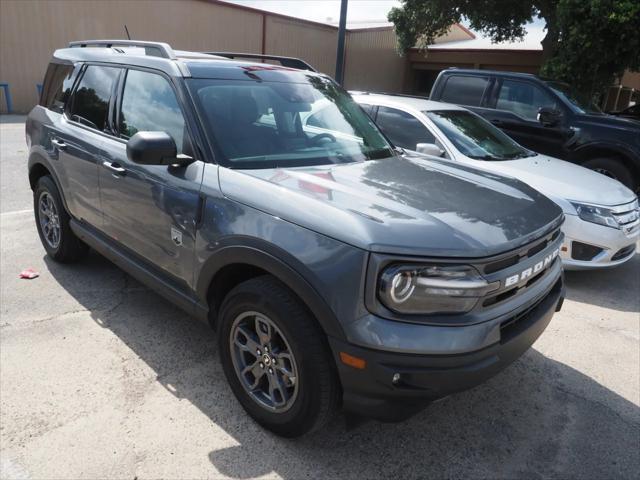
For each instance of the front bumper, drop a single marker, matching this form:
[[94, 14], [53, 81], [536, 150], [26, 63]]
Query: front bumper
[[609, 240], [420, 379]]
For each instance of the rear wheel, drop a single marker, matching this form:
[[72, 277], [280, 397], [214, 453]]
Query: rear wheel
[[275, 358], [615, 169], [52, 221]]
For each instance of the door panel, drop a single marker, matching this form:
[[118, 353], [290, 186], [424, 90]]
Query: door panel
[[516, 109], [77, 139], [151, 209], [78, 151]]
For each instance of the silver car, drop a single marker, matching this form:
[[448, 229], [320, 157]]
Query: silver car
[[602, 220]]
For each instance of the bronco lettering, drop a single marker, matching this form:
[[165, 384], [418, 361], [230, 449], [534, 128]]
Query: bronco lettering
[[514, 279]]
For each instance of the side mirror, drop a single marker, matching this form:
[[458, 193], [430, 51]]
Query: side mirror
[[549, 117], [429, 149], [155, 148]]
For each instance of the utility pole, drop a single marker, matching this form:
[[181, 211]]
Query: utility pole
[[342, 31]]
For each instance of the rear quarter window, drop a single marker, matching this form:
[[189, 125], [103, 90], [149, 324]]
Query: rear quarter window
[[90, 102], [57, 85], [464, 90]]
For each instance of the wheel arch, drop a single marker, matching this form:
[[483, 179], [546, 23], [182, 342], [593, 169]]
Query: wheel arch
[[607, 150], [39, 167], [232, 265]]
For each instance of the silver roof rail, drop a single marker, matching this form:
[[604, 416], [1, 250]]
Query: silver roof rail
[[152, 49], [289, 62]]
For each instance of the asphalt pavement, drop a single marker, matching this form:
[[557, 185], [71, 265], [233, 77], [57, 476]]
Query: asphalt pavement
[[102, 378]]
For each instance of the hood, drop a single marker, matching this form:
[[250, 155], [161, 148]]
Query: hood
[[621, 124], [401, 205], [564, 180]]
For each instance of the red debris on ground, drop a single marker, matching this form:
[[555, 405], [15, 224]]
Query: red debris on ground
[[29, 274]]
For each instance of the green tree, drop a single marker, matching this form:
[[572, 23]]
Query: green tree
[[588, 43]]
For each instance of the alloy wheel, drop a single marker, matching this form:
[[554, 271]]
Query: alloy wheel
[[49, 220], [263, 361]]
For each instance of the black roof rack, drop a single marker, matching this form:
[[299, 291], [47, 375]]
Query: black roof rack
[[290, 62], [152, 49]]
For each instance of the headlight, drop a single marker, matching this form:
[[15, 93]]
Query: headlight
[[428, 289], [595, 214]]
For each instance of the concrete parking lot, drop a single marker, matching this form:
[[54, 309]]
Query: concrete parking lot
[[102, 378]]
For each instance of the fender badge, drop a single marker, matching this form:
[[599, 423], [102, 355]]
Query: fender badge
[[176, 236]]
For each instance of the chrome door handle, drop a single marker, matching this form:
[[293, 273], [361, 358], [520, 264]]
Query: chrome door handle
[[114, 167], [60, 145]]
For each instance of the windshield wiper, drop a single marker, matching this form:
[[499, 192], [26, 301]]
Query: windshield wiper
[[485, 157]]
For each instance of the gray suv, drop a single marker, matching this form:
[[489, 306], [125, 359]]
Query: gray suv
[[335, 268]]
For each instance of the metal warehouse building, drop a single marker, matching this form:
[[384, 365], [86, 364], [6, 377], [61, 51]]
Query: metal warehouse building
[[31, 29]]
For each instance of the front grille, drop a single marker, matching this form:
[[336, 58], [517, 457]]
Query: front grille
[[627, 216], [510, 293], [583, 251], [517, 271], [522, 255], [623, 252]]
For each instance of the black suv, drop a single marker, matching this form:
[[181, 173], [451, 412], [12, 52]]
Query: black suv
[[335, 269], [547, 117]]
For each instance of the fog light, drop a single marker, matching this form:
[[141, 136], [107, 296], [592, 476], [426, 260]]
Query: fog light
[[396, 378]]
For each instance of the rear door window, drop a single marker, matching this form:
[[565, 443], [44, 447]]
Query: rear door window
[[91, 97], [524, 99], [402, 128], [464, 90], [57, 85]]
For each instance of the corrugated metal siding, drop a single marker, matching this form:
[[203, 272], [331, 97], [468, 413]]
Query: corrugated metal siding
[[31, 30], [372, 62], [315, 44]]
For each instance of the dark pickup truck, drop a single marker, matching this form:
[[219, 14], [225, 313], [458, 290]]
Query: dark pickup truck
[[546, 116]]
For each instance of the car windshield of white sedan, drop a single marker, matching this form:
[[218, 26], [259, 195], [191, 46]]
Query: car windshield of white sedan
[[476, 138], [262, 124]]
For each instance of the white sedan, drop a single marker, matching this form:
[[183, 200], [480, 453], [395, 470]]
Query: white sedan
[[602, 218]]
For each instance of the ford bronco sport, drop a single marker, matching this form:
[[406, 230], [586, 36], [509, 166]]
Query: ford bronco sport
[[335, 269]]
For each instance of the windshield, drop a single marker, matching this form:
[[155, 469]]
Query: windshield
[[567, 93], [262, 124], [475, 137]]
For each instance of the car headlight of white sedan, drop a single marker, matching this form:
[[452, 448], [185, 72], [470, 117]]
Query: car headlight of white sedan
[[596, 214]]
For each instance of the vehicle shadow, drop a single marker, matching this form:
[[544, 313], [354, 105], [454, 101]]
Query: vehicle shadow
[[616, 288], [539, 418]]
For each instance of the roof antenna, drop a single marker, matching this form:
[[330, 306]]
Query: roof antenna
[[127, 30]]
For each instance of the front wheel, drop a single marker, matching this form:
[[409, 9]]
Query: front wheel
[[276, 359], [615, 169]]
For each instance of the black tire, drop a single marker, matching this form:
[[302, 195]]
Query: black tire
[[68, 248], [615, 169], [318, 389]]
